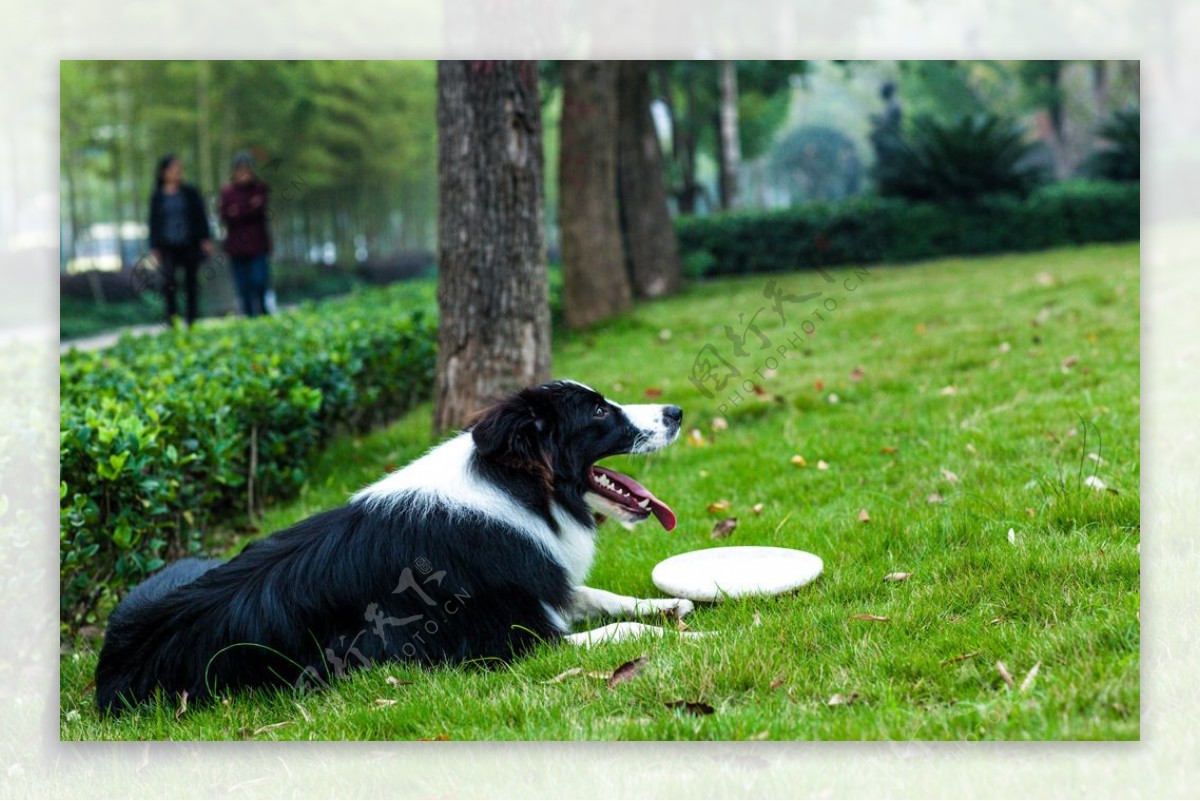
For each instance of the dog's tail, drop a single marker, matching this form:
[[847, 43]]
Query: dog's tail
[[142, 633]]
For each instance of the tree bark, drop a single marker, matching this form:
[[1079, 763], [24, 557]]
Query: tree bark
[[493, 301], [650, 237], [595, 285], [730, 143]]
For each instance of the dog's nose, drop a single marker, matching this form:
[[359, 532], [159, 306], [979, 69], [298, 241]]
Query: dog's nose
[[673, 413]]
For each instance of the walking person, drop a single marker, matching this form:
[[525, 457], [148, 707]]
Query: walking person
[[179, 235], [243, 209]]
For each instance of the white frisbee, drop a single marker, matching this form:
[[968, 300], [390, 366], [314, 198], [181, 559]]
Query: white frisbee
[[735, 571]]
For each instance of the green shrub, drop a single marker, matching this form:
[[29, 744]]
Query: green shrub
[[1121, 158], [964, 160], [164, 436], [869, 230]]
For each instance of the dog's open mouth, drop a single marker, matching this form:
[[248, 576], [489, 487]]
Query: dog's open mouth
[[631, 498]]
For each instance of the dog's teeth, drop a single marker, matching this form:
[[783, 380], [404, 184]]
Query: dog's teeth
[[644, 503]]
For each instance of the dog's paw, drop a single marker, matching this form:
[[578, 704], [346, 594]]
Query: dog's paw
[[678, 608]]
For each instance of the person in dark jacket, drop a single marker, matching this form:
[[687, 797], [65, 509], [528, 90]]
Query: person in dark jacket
[[243, 209], [179, 234]]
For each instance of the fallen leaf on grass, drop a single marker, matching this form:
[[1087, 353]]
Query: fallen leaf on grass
[[87, 688], [566, 674], [837, 699], [822, 464], [757, 508], [863, 517], [949, 390], [857, 374], [395, 682], [960, 658], [271, 727], [1069, 362], [381, 703], [934, 497], [1004, 674], [182, 705], [1012, 537], [799, 461], [889, 449], [1030, 676], [720, 424], [653, 392], [873, 618], [1095, 483], [897, 577], [626, 671], [723, 528], [719, 506], [1005, 347], [777, 682], [818, 385], [680, 625], [762, 735], [697, 708], [949, 476], [696, 438], [440, 738]]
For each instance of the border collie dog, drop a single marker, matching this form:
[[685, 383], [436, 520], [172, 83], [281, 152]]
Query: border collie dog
[[476, 551]]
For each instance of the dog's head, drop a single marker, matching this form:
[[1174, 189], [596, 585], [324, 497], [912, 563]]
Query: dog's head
[[558, 431]]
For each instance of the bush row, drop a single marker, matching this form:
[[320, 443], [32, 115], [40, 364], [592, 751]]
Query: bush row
[[164, 436], [870, 229]]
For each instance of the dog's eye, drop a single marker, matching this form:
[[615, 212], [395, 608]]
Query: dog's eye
[[600, 412]]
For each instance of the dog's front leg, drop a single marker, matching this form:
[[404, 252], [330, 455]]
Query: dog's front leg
[[592, 603]]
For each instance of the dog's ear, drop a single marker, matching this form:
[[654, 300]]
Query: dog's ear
[[510, 432]]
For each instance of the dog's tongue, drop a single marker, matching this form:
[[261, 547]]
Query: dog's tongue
[[661, 511]]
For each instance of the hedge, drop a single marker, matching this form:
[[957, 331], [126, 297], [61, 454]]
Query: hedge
[[870, 229], [163, 436]]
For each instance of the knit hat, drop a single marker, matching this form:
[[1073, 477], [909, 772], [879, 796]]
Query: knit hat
[[243, 159]]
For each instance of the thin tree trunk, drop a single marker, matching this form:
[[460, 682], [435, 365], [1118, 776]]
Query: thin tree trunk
[[494, 332], [205, 175], [1100, 89], [595, 285], [653, 254], [730, 143]]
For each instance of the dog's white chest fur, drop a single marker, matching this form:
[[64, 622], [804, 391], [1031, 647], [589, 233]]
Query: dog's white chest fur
[[443, 477]]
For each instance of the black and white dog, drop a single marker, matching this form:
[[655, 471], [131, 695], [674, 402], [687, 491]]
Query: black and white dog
[[476, 551]]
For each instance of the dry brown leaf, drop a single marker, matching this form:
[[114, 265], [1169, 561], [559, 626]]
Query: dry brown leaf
[[182, 705], [440, 738], [381, 703], [719, 506], [680, 625], [566, 674], [723, 528], [395, 682], [857, 374], [1030, 676], [897, 577], [778, 681], [872, 618], [822, 464], [1029, 511], [818, 385], [697, 708], [760, 392], [271, 727], [799, 461], [1004, 674], [934, 497], [653, 392], [757, 508], [949, 476], [863, 517], [626, 671], [696, 438], [1070, 362], [960, 658], [889, 449], [837, 699]]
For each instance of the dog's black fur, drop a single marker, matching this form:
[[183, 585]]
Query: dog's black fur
[[397, 574]]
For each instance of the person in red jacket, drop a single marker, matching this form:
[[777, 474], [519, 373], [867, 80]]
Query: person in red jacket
[[243, 209]]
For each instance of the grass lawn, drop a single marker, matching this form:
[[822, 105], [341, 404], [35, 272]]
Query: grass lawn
[[954, 401]]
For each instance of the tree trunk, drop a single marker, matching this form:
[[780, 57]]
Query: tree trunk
[[1100, 90], [653, 255], [204, 175], [595, 285], [493, 301], [730, 143]]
